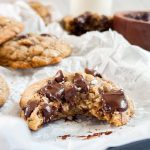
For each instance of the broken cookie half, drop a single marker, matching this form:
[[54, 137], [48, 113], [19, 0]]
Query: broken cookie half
[[69, 94]]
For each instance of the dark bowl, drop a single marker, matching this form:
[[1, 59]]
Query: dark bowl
[[134, 26]]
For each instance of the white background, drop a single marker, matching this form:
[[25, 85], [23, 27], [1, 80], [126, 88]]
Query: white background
[[118, 5], [131, 5]]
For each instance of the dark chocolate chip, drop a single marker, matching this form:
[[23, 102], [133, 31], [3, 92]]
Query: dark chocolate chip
[[81, 83], [48, 112], [53, 91], [93, 72], [70, 94], [59, 77], [114, 101], [31, 105]]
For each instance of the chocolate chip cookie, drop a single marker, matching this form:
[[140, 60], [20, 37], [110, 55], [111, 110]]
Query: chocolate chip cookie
[[86, 22], [9, 28], [4, 91], [42, 11], [69, 94], [33, 50]]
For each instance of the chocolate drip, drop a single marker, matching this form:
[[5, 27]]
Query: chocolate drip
[[93, 72], [81, 83], [31, 105], [48, 112], [59, 77], [114, 101]]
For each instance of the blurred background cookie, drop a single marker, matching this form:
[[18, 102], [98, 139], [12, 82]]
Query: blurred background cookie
[[41, 10], [9, 28], [4, 91], [33, 50], [85, 22]]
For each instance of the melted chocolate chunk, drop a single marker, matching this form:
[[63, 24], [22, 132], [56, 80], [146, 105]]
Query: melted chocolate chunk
[[93, 72], [80, 83], [53, 91], [59, 77], [70, 94], [114, 101], [48, 112], [31, 105]]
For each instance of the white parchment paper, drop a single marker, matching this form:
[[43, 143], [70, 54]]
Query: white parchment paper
[[110, 54]]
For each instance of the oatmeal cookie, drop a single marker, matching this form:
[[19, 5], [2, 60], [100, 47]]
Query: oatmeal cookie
[[9, 28], [4, 91], [33, 50], [70, 94], [41, 10], [86, 22]]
